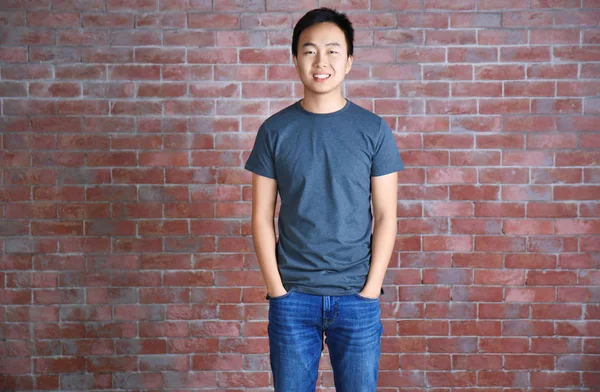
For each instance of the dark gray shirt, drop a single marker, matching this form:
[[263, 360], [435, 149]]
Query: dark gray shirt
[[323, 164]]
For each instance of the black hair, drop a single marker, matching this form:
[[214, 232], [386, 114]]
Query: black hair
[[320, 15]]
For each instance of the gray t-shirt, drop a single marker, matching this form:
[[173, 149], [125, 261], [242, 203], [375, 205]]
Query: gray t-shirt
[[323, 164]]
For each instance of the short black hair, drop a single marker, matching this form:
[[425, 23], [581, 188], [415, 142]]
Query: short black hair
[[320, 15]]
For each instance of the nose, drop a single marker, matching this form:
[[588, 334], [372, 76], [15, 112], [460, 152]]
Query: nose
[[320, 60]]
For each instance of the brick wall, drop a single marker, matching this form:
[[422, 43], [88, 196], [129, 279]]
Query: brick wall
[[126, 260]]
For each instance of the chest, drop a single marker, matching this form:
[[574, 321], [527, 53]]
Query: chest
[[307, 155]]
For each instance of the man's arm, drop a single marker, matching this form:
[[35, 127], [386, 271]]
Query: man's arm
[[264, 200], [384, 194]]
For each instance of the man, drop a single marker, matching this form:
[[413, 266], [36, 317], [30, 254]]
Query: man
[[329, 159]]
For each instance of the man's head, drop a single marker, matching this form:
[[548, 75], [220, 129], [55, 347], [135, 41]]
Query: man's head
[[323, 50], [321, 15]]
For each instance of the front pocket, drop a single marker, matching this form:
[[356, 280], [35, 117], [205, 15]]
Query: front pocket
[[365, 298], [280, 297]]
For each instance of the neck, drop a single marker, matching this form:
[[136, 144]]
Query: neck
[[322, 104]]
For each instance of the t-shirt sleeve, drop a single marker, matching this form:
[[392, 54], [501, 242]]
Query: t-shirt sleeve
[[261, 160], [387, 157]]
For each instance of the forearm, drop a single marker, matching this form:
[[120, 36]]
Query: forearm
[[263, 237], [384, 238]]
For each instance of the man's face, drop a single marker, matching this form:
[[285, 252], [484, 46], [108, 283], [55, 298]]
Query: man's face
[[322, 62]]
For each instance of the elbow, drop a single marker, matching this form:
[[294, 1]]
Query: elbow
[[387, 222]]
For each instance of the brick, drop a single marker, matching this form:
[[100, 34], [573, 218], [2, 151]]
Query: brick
[[563, 379], [529, 89], [475, 260], [554, 36], [451, 176], [584, 192], [584, 260], [475, 226], [503, 311], [464, 379], [551, 210], [371, 89], [556, 311], [502, 4], [473, 192], [508, 278], [583, 18], [504, 345], [551, 278], [425, 260], [576, 53], [497, 243], [527, 19], [455, 243], [527, 227], [477, 124], [552, 71], [578, 226], [499, 72], [477, 294], [477, 362], [529, 158], [531, 54], [424, 89], [391, 379], [577, 363], [451, 310], [462, 37], [556, 106], [590, 210], [422, 192], [529, 123], [541, 294], [425, 362], [503, 106], [421, 20], [479, 20], [449, 5], [399, 38], [490, 209], [409, 5], [476, 89], [501, 37], [453, 107], [453, 344], [472, 55], [423, 327], [529, 193], [421, 55], [534, 362], [374, 55], [506, 176], [447, 277], [577, 123]]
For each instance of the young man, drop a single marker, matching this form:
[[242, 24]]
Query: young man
[[329, 159]]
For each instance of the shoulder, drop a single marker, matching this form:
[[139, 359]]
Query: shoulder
[[363, 114], [365, 120], [282, 117]]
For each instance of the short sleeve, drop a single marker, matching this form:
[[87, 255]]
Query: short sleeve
[[261, 160], [387, 157]]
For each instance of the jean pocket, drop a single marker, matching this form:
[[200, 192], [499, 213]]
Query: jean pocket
[[365, 298], [279, 297]]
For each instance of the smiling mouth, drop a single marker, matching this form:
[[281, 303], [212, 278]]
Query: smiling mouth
[[321, 77]]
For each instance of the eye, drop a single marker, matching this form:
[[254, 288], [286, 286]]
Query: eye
[[333, 51]]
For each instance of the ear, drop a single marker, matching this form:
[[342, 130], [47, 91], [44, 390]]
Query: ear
[[349, 64], [295, 62]]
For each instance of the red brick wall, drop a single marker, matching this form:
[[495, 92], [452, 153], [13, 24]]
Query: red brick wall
[[126, 260]]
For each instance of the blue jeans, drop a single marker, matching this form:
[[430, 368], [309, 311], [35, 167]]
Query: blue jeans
[[353, 330]]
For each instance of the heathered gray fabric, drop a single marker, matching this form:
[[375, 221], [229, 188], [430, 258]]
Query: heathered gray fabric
[[323, 164]]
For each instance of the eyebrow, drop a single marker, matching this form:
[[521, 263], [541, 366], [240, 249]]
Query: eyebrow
[[329, 44]]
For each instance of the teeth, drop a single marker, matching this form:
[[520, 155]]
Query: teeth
[[321, 76]]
